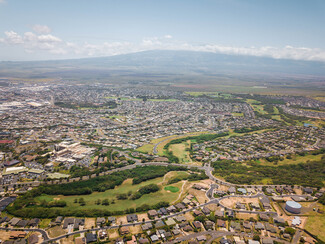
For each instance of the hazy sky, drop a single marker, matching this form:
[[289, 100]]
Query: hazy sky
[[57, 29]]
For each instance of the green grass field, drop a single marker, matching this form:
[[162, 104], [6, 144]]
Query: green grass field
[[171, 188], [150, 199], [179, 150], [296, 159]]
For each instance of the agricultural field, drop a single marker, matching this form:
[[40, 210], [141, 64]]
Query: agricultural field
[[165, 193]]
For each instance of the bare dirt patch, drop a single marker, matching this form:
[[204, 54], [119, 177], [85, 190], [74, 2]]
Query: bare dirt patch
[[90, 222], [246, 216], [4, 235], [135, 229], [199, 195], [121, 220], [231, 201]]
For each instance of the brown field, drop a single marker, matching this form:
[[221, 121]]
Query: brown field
[[56, 231], [246, 216], [231, 201]]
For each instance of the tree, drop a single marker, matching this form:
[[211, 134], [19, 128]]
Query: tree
[[290, 230], [256, 238]]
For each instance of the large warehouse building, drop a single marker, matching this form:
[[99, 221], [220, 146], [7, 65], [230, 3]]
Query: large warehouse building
[[293, 207]]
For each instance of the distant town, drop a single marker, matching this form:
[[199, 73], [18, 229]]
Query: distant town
[[103, 163]]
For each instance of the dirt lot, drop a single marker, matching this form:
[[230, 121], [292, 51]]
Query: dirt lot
[[143, 216], [89, 222], [200, 195], [121, 220], [113, 233], [56, 231], [231, 201], [246, 216], [67, 240], [189, 216], [213, 207], [4, 235], [135, 229]]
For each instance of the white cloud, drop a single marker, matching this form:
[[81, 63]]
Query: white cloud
[[42, 29], [13, 38], [48, 38], [40, 42]]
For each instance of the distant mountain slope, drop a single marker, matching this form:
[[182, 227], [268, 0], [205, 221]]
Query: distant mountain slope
[[162, 62]]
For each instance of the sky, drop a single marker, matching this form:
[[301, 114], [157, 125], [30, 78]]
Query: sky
[[58, 29]]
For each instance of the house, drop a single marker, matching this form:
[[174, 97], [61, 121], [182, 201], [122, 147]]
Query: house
[[180, 218], [206, 211], [219, 214], [279, 220], [270, 228], [124, 230], [143, 240], [162, 211], [180, 206], [266, 203], [171, 209], [253, 242], [224, 240], [67, 222], [255, 206], [34, 222], [247, 225], [159, 224], [267, 240], [201, 238], [102, 234], [242, 191], [209, 225], [264, 217], [235, 225], [58, 220], [259, 226], [176, 232], [90, 237], [78, 222], [33, 239], [17, 234], [14, 221], [308, 190], [230, 213], [147, 226], [152, 213], [197, 212], [240, 205], [111, 220], [154, 238], [22, 223], [197, 224], [132, 217], [100, 221], [170, 222], [221, 223], [188, 228], [232, 190]]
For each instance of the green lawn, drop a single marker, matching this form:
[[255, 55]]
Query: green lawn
[[171, 188], [150, 199]]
